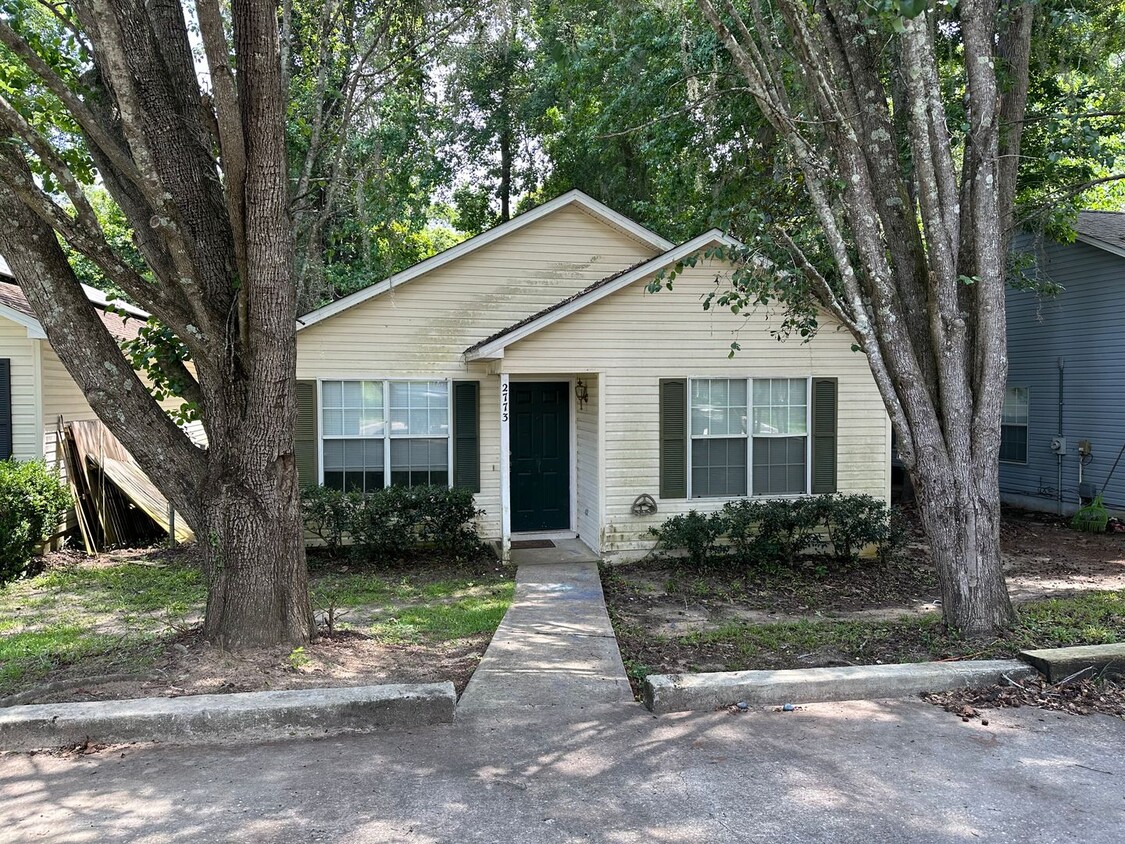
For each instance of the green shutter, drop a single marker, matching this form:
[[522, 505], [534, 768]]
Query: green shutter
[[466, 435], [5, 408], [673, 438], [824, 400], [305, 445]]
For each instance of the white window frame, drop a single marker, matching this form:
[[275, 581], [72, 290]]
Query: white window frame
[[749, 435], [1026, 423], [386, 438]]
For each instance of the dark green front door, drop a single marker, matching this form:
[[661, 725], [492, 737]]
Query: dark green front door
[[540, 437]]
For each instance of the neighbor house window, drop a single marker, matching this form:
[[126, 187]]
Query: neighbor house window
[[768, 456], [370, 426], [1013, 425]]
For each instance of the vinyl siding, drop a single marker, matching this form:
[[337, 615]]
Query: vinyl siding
[[637, 338], [421, 329], [61, 397], [587, 448], [15, 345], [1084, 326]]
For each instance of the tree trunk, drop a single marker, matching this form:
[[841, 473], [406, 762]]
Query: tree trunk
[[203, 181], [253, 550], [963, 527]]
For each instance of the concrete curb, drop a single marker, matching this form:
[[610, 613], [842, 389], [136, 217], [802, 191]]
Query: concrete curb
[[1060, 663], [209, 719], [686, 692]]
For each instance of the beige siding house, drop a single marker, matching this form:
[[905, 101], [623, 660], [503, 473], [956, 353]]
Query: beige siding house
[[530, 365], [36, 391]]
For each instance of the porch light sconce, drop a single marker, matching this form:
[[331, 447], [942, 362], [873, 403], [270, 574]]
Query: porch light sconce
[[582, 394]]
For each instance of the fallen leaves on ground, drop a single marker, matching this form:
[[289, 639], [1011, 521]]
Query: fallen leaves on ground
[[1078, 697]]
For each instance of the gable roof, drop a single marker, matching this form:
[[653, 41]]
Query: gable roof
[[1102, 229], [493, 347], [14, 306], [571, 199]]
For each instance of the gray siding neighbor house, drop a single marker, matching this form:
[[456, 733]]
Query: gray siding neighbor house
[[1064, 410]]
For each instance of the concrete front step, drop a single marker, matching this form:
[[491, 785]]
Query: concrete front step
[[688, 692], [1057, 664]]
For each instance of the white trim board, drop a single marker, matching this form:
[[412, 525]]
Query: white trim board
[[571, 198], [34, 329], [1098, 243], [495, 349]]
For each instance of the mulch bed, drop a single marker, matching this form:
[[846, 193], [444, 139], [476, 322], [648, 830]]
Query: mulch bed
[[1078, 697]]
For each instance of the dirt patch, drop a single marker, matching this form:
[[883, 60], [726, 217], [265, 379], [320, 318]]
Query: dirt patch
[[1042, 558], [671, 620], [1079, 697], [191, 666]]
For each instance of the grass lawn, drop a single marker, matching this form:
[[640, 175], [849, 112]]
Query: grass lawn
[[137, 615], [1088, 619]]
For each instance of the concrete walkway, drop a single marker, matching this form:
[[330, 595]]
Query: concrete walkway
[[554, 650]]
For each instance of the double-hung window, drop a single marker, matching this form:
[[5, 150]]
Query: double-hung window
[[780, 429], [768, 456], [1013, 425], [383, 433], [718, 438]]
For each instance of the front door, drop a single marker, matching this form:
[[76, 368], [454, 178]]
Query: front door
[[540, 437]]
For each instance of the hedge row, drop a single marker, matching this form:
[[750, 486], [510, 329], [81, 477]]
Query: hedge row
[[778, 531], [394, 522]]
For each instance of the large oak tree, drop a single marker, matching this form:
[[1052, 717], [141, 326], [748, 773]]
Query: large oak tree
[[200, 173], [902, 122]]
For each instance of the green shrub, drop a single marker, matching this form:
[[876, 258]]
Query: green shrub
[[776, 532], [788, 527], [893, 534], [854, 522], [32, 502], [328, 513], [694, 532], [447, 519], [395, 522]]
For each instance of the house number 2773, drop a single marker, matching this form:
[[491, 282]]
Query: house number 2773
[[503, 402]]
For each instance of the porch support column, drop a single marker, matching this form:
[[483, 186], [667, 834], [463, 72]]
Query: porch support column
[[505, 471]]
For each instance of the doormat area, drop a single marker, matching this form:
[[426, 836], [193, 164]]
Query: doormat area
[[528, 544]]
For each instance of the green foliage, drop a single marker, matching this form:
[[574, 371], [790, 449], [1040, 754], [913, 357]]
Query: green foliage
[[328, 514], [395, 522], [694, 532], [163, 357], [773, 532], [32, 502]]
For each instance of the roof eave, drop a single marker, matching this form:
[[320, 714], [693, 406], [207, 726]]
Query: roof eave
[[1098, 243], [34, 328]]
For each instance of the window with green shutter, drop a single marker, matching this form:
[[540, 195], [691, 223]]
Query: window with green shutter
[[466, 435], [305, 437], [785, 426], [5, 408], [825, 419], [673, 438]]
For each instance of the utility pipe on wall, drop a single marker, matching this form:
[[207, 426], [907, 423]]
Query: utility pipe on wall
[[1058, 457]]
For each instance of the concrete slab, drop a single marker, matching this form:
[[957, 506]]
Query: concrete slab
[[877, 773], [1060, 663], [565, 551], [554, 649], [686, 692], [212, 719]]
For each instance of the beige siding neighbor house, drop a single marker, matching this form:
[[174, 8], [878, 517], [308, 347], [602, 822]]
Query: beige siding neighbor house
[[530, 365], [36, 391]]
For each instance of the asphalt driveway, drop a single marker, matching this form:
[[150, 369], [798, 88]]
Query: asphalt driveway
[[857, 772]]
